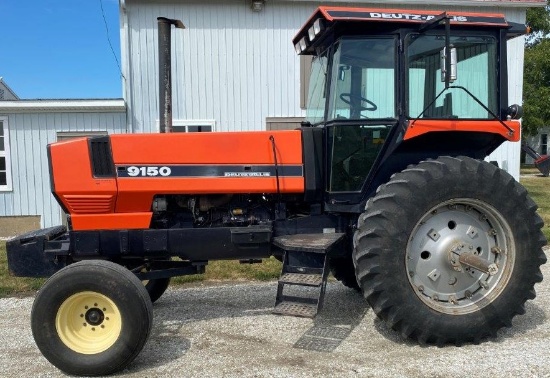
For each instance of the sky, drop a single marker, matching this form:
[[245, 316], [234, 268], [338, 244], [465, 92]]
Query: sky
[[59, 48]]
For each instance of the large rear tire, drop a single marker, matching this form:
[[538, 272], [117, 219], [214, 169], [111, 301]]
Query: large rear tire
[[419, 232], [92, 318]]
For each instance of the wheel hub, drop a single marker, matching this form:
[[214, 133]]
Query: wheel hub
[[455, 256], [94, 316], [88, 322]]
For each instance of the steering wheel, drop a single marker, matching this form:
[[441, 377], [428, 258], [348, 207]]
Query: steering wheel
[[348, 97]]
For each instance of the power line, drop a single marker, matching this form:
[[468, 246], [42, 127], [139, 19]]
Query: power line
[[109, 39]]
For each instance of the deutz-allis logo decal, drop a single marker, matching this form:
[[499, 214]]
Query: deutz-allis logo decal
[[414, 17], [247, 174]]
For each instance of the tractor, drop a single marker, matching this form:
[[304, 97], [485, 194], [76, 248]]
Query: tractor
[[385, 185]]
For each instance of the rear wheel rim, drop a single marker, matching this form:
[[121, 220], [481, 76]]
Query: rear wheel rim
[[88, 322], [443, 233]]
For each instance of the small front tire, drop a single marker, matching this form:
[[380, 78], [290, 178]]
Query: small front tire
[[92, 318]]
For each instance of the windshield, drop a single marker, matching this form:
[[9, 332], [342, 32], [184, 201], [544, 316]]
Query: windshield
[[476, 72], [363, 79]]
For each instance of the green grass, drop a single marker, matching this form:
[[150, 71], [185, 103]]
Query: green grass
[[529, 170], [538, 187], [269, 269]]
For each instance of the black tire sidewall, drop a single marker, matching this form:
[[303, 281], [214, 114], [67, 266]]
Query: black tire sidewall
[[134, 306]]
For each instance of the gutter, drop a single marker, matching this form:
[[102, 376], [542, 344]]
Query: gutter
[[65, 106]]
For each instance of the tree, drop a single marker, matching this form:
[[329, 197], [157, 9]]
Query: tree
[[538, 20], [536, 80]]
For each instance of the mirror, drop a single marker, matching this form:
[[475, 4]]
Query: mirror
[[342, 72], [453, 64]]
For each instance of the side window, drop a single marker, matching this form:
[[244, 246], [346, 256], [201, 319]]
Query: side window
[[354, 150], [305, 72], [544, 144], [363, 79], [315, 112], [476, 74], [5, 165]]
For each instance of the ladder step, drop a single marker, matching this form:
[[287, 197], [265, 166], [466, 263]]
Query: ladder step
[[303, 310], [315, 243], [302, 279]]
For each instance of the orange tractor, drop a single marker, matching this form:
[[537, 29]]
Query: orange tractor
[[384, 185]]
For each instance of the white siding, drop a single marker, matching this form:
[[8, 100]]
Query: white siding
[[29, 135], [231, 64], [509, 154]]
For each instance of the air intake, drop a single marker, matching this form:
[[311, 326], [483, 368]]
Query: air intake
[[101, 157]]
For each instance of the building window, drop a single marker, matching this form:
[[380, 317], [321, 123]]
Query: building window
[[66, 135], [5, 166], [544, 144], [192, 126]]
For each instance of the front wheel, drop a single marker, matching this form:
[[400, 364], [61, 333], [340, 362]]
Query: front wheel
[[91, 318], [449, 250]]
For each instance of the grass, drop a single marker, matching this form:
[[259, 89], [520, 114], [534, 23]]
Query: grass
[[538, 188], [269, 269]]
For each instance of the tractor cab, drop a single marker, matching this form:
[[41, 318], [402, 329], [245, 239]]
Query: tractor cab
[[385, 85]]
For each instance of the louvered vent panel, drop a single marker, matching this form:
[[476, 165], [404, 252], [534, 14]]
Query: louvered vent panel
[[90, 204]]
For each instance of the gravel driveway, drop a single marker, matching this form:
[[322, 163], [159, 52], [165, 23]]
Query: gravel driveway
[[228, 331]]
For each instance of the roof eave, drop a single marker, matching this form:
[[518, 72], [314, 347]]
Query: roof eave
[[441, 3], [64, 106]]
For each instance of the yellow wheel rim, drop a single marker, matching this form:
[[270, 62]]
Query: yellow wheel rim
[[88, 322]]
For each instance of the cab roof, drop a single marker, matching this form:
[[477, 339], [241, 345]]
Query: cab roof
[[375, 17]]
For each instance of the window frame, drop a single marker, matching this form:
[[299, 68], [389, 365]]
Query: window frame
[[7, 155], [190, 123], [497, 77], [331, 91], [544, 143]]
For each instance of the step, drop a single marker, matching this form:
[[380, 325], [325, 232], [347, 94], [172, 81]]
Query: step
[[317, 243], [303, 310], [314, 280]]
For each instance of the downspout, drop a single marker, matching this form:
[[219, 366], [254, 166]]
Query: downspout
[[125, 57]]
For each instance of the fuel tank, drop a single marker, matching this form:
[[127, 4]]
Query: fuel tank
[[109, 182]]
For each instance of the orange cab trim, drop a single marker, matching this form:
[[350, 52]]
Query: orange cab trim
[[423, 126]]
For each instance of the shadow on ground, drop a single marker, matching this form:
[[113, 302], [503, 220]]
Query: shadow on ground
[[343, 311]]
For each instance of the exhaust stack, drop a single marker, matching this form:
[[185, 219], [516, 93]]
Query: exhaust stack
[[165, 71]]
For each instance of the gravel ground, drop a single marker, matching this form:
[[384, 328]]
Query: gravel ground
[[228, 331]]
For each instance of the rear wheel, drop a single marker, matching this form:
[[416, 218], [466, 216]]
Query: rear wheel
[[91, 318], [449, 250]]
